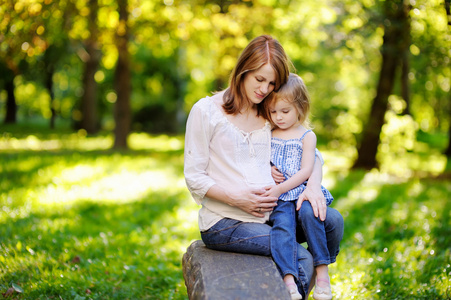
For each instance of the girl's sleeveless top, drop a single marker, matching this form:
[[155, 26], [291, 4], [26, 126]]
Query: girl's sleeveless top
[[286, 155]]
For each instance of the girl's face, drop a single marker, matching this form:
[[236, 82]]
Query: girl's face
[[284, 114], [259, 83]]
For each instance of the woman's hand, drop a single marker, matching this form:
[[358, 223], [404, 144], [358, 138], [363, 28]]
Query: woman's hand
[[314, 194], [276, 175], [316, 198], [253, 201]]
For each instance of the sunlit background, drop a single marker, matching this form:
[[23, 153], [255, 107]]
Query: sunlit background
[[80, 219]]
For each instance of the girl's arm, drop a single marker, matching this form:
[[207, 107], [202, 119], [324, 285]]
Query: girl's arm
[[307, 162]]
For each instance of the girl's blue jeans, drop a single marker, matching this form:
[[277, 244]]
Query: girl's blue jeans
[[254, 238], [283, 237]]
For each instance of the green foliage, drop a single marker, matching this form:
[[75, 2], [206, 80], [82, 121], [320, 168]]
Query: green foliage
[[183, 51]]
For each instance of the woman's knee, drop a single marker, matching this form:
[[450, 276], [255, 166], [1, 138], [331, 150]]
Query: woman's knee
[[334, 219], [236, 236]]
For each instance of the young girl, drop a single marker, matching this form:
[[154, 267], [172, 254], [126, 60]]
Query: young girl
[[293, 147]]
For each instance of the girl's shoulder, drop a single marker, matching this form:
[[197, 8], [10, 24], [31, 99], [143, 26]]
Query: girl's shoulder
[[299, 134], [308, 134]]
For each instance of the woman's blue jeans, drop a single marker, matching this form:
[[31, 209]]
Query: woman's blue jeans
[[254, 238]]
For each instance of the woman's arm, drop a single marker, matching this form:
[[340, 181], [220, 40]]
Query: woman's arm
[[313, 192], [197, 152], [277, 175]]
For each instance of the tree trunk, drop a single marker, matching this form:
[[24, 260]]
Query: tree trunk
[[89, 113], [50, 70], [448, 10], [405, 89], [396, 14], [122, 81], [181, 89], [448, 150], [405, 63], [11, 106]]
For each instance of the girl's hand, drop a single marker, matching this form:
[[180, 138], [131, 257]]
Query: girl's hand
[[317, 200], [253, 201], [273, 191], [276, 175]]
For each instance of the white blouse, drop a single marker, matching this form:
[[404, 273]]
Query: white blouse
[[217, 152]]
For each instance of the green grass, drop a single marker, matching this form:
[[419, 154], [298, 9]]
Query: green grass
[[80, 221], [397, 239], [93, 224]]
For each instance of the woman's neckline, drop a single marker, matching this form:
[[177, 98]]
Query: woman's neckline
[[223, 114]]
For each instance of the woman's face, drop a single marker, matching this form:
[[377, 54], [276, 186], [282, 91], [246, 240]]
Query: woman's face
[[259, 83]]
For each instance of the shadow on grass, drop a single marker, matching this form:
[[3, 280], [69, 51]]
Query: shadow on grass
[[88, 218]]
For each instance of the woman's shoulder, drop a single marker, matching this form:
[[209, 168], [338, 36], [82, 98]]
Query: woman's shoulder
[[218, 98], [208, 108], [208, 101]]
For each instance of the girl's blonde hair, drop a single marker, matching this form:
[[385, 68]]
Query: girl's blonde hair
[[260, 51], [294, 92]]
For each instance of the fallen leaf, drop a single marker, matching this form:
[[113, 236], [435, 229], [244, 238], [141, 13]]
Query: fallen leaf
[[76, 259], [17, 288], [88, 291]]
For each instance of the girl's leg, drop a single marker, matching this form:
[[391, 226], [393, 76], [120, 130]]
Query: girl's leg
[[283, 237], [322, 275], [284, 245]]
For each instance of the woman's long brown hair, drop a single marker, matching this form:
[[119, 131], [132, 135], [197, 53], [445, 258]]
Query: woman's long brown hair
[[260, 51]]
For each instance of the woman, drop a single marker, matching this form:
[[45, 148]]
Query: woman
[[227, 154]]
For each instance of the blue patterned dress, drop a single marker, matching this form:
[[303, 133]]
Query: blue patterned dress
[[286, 155]]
